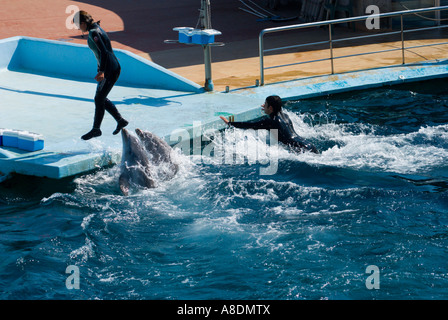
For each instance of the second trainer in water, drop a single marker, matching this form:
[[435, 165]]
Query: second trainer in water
[[276, 119]]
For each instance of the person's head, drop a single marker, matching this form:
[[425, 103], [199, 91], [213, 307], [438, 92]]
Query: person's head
[[83, 20], [272, 105]]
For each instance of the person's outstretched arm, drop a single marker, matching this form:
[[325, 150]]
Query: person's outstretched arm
[[265, 123]]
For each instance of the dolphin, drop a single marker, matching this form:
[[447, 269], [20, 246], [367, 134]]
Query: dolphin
[[135, 164], [160, 152]]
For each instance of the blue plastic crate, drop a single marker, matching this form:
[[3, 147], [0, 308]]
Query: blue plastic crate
[[30, 141], [185, 38], [20, 139], [205, 36], [185, 35], [10, 138], [196, 36]]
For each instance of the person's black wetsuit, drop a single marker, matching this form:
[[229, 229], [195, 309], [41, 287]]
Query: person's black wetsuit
[[286, 133], [99, 43]]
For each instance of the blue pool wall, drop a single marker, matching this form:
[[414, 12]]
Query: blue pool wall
[[76, 61]]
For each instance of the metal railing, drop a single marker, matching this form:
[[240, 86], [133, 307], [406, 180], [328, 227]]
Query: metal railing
[[330, 24]]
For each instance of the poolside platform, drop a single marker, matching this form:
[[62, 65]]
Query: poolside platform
[[47, 87]]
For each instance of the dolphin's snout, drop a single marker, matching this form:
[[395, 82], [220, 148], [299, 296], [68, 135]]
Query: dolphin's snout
[[124, 133], [139, 132]]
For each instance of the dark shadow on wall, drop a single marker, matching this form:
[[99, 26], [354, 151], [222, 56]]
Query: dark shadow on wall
[[148, 23]]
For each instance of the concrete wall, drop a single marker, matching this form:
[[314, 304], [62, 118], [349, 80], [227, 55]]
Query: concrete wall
[[75, 61], [8, 55]]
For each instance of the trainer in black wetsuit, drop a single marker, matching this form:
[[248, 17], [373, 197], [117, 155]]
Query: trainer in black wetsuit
[[276, 119], [108, 72]]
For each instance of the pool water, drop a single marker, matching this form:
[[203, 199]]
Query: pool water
[[376, 195]]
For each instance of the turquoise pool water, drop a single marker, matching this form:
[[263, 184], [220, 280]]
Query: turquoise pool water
[[377, 195]]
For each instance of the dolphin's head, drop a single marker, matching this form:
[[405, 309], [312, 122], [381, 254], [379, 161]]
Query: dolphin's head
[[132, 148], [149, 140], [144, 135], [152, 143], [159, 151], [135, 164], [126, 137]]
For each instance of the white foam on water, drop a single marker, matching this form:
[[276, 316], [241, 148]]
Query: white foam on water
[[364, 149]]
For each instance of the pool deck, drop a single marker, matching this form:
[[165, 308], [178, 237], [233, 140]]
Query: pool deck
[[60, 106]]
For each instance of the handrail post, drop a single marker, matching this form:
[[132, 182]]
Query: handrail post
[[261, 54], [402, 39], [437, 13], [331, 47]]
